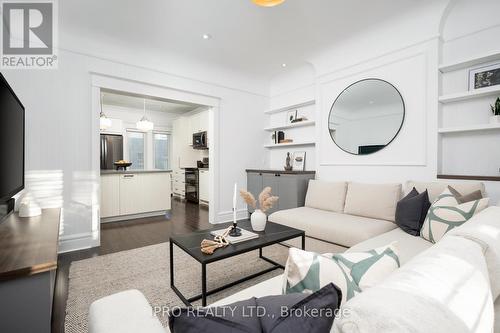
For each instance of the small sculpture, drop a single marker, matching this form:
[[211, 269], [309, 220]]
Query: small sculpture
[[288, 166]]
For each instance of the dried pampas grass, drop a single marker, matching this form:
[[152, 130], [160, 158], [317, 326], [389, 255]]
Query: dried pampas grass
[[266, 199]]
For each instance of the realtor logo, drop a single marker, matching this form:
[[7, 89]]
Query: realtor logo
[[29, 34]]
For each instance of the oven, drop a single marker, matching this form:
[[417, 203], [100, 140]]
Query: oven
[[191, 178]]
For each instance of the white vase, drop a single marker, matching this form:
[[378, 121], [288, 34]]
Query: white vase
[[495, 120], [258, 220]]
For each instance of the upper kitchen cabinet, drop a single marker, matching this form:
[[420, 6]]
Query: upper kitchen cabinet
[[198, 122]]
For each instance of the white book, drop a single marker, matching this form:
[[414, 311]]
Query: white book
[[245, 235]]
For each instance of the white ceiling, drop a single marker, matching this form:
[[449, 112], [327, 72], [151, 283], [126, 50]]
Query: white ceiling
[[121, 99], [246, 38]]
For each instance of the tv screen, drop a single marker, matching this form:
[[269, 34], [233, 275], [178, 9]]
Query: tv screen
[[11, 142]]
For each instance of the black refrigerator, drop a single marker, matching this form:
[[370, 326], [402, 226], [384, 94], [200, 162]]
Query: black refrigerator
[[111, 150]]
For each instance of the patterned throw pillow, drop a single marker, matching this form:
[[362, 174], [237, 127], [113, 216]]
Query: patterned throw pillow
[[351, 272], [446, 213]]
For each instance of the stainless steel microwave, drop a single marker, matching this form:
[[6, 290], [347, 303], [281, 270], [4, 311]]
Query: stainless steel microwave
[[200, 140]]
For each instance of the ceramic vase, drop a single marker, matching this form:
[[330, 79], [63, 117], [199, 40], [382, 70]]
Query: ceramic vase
[[258, 220]]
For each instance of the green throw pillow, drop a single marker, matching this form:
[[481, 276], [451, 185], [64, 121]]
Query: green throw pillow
[[352, 272], [446, 213]]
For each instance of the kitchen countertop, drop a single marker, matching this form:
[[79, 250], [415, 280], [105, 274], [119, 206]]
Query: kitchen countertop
[[117, 172], [282, 172]]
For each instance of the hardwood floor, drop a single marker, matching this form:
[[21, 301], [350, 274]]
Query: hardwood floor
[[120, 236]]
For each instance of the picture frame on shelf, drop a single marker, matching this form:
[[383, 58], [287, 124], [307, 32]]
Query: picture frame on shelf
[[484, 76], [291, 116], [299, 160]]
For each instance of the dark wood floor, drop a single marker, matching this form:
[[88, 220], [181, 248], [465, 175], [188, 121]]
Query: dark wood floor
[[119, 236]]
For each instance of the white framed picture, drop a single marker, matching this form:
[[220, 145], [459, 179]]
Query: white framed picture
[[291, 116], [484, 76], [299, 160]]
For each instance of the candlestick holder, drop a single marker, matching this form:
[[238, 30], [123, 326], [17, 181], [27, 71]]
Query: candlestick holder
[[235, 231]]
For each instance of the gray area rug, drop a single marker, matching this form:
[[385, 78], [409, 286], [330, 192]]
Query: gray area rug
[[147, 269]]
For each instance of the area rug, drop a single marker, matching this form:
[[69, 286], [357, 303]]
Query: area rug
[[147, 269]]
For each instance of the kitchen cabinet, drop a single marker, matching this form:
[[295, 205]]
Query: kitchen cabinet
[[198, 122], [129, 193], [204, 185], [110, 196], [290, 187], [179, 183]]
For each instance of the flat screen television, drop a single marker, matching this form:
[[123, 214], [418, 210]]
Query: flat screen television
[[11, 145]]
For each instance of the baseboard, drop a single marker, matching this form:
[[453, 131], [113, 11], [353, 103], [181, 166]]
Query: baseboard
[[223, 217], [77, 242], [132, 216]]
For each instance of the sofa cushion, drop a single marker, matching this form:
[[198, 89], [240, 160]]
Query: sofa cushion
[[411, 212], [343, 229], [437, 187], [463, 198], [444, 289], [124, 312], [408, 246], [446, 214], [376, 201], [352, 273], [326, 195]]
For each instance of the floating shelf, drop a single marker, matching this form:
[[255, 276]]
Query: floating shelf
[[295, 106], [483, 92], [462, 177], [468, 62], [474, 128], [294, 125], [291, 144]]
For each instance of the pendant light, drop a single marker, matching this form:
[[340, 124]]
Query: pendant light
[[144, 124], [268, 3], [104, 122]]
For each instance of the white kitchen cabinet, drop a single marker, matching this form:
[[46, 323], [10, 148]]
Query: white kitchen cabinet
[[194, 123], [124, 194], [204, 185], [204, 121], [110, 196]]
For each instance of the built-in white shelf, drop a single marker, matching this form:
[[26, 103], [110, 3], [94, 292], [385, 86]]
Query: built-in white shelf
[[472, 128], [291, 107], [483, 92], [293, 125], [469, 62], [291, 144]]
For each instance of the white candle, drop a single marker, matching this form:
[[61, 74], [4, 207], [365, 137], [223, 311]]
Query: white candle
[[234, 202]]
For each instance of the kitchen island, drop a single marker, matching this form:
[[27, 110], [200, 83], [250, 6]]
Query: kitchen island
[[134, 194]]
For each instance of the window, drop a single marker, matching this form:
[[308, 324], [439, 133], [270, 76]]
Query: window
[[161, 150], [136, 149]]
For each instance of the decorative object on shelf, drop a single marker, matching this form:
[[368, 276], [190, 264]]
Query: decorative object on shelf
[[122, 165], [280, 136], [360, 106], [235, 231], [209, 246], [145, 124], [291, 116], [104, 121], [286, 141], [299, 160], [28, 207], [484, 76], [300, 119], [268, 3], [495, 109], [288, 162], [266, 202]]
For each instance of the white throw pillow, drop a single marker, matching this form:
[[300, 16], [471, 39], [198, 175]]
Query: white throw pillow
[[352, 272], [446, 214]]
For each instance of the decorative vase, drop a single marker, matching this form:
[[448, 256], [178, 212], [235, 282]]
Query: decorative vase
[[258, 220], [495, 120]]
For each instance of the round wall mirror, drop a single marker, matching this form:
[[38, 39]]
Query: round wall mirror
[[366, 117]]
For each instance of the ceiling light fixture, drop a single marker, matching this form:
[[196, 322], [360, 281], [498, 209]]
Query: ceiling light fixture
[[104, 122], [144, 124], [283, 65], [268, 3], [207, 36]]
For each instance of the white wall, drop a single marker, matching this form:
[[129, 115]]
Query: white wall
[[405, 51], [59, 124]]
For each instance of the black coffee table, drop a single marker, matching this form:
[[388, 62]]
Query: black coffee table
[[274, 233]]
